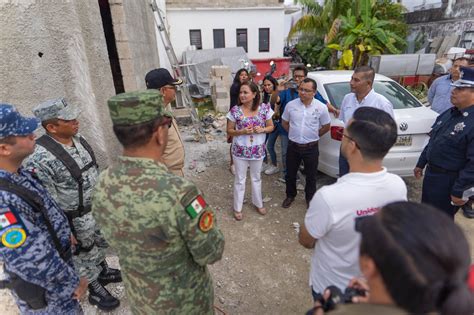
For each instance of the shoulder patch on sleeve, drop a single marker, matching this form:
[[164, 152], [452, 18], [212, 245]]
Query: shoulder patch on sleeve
[[206, 221], [193, 202], [12, 231]]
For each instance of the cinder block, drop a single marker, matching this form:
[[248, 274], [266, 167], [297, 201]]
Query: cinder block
[[220, 71], [220, 95]]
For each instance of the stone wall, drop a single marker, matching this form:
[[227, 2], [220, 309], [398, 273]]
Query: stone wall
[[135, 35], [443, 21], [221, 3], [57, 48]]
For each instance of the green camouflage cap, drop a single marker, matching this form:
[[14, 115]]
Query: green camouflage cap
[[133, 108], [56, 108]]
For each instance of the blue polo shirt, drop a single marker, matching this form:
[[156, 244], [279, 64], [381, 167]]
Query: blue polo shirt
[[451, 147], [439, 94]]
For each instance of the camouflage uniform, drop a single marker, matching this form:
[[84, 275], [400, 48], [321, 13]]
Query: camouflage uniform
[[64, 189], [36, 260], [163, 244]]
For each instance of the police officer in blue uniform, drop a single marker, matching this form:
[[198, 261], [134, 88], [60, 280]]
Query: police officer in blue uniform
[[449, 155], [35, 238]]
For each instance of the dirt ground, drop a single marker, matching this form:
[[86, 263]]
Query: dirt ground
[[263, 270]]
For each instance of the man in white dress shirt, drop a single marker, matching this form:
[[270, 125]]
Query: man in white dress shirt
[[362, 94], [306, 120]]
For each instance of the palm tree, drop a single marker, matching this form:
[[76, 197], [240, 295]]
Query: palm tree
[[363, 34], [319, 25], [318, 20]]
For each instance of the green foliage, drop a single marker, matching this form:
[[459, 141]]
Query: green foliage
[[366, 27], [366, 33], [310, 49]]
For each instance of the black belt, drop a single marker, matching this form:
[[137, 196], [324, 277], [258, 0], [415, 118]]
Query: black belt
[[440, 170], [304, 145]]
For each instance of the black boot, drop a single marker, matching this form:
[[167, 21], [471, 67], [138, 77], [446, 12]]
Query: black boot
[[98, 295], [109, 275]]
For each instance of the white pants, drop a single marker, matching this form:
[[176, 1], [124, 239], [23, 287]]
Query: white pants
[[241, 167]]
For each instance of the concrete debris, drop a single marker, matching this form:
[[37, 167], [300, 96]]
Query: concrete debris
[[267, 199], [296, 226]]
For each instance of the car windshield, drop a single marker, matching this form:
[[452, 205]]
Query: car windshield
[[396, 94]]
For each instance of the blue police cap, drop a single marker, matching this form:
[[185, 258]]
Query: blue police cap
[[12, 123], [466, 79]]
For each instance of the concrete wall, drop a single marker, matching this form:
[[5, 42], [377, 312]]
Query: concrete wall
[[449, 19], [135, 35], [207, 19], [220, 3], [57, 48]]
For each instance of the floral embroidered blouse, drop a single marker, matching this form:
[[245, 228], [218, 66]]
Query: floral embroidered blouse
[[249, 147]]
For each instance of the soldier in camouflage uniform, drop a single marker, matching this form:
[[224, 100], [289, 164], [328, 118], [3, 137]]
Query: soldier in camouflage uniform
[[40, 272], [59, 119], [159, 223]]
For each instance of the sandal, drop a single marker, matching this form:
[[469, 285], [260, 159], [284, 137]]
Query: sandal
[[262, 211], [238, 215]]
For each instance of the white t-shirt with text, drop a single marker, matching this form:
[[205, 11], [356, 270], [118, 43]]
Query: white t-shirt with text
[[331, 217]]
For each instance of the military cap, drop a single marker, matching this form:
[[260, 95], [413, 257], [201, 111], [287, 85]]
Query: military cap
[[12, 123], [56, 108], [133, 108], [466, 79]]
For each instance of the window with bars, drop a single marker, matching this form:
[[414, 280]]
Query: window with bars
[[195, 38], [263, 39], [242, 38], [219, 38]]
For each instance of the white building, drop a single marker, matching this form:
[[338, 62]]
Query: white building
[[258, 27]]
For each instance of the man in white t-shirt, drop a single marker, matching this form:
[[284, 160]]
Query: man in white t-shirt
[[306, 120], [362, 94], [329, 222]]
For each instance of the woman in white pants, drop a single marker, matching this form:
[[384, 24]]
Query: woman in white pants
[[247, 123]]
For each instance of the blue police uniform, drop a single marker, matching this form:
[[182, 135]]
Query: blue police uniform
[[449, 159], [31, 258], [31, 255]]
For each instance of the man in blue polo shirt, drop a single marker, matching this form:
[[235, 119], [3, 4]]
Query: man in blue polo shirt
[[439, 94]]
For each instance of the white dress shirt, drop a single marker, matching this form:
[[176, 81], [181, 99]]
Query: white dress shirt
[[305, 121], [373, 99]]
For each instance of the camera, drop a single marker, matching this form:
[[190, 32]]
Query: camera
[[338, 297], [291, 84]]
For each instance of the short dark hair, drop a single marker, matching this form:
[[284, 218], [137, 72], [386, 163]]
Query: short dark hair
[[52, 121], [11, 140], [301, 68], [309, 80], [254, 88], [135, 136], [374, 131], [461, 59], [422, 256], [369, 72]]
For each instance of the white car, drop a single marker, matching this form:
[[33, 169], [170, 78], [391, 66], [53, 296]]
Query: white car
[[414, 121]]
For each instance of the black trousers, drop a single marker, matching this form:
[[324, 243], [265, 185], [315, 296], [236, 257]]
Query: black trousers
[[310, 156], [436, 191]]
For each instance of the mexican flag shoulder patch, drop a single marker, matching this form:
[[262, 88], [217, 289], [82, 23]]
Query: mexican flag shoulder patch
[[196, 206]]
